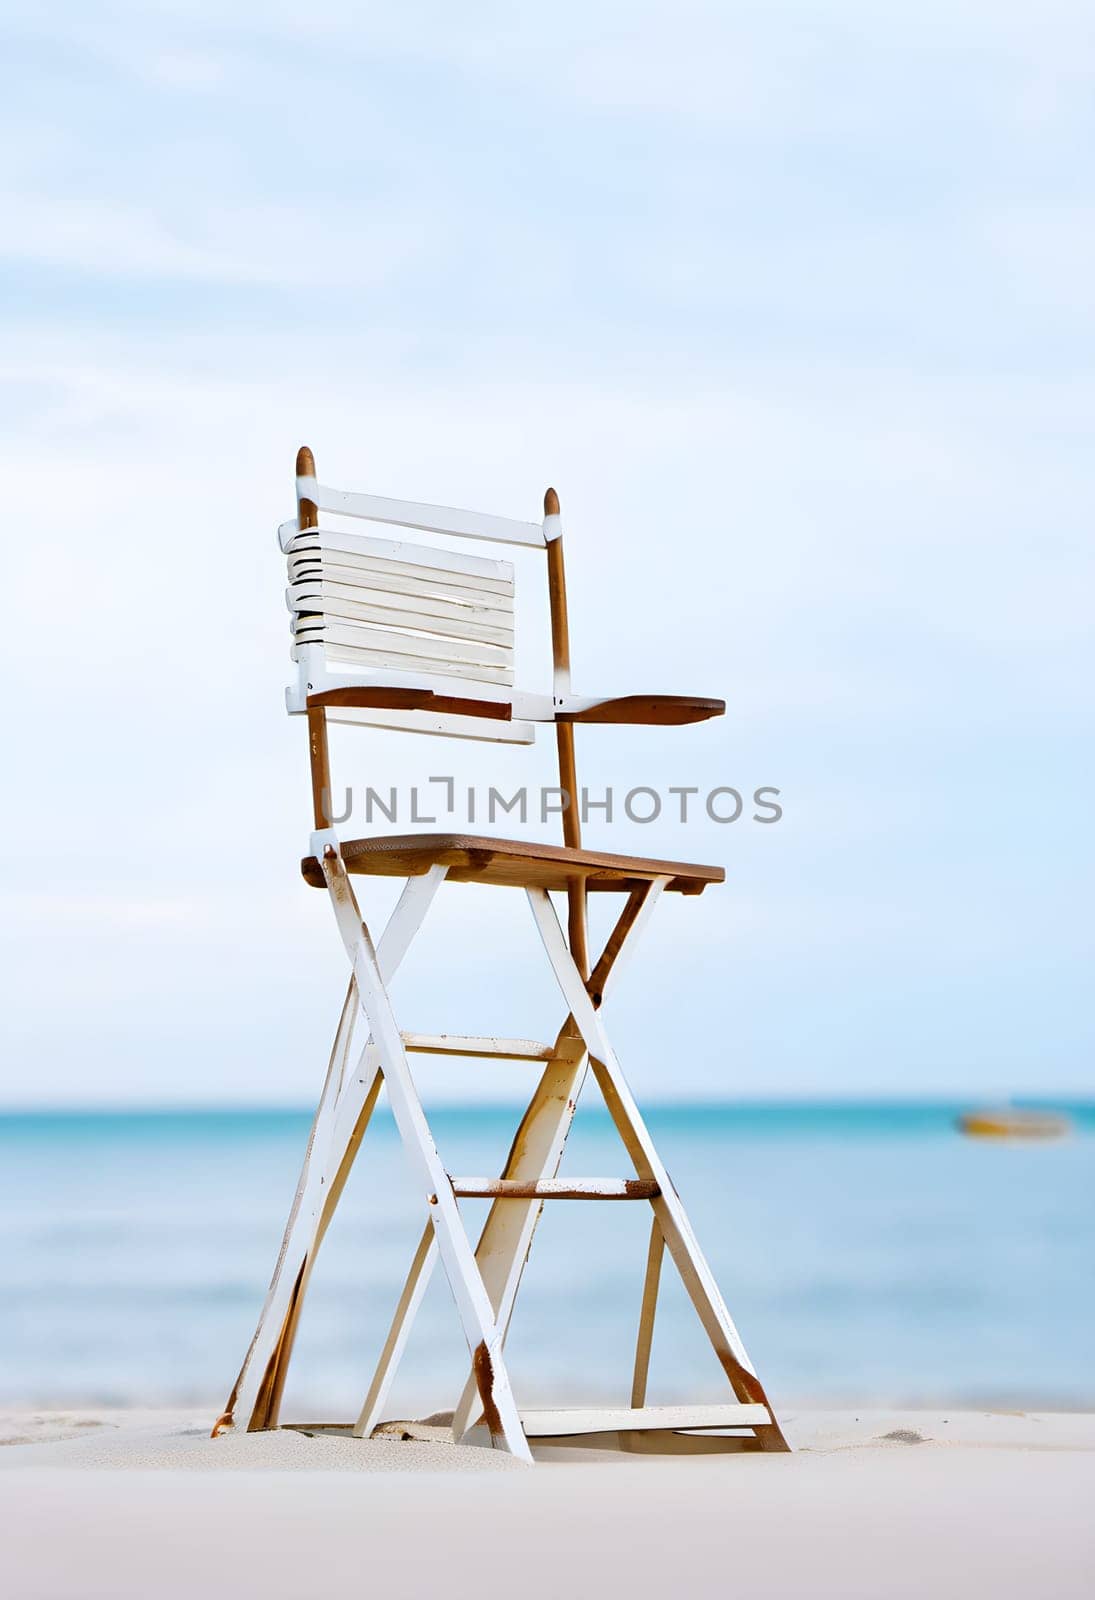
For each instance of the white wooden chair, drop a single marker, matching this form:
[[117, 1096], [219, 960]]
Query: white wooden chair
[[427, 636]]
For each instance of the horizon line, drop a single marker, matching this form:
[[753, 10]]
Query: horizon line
[[688, 1102]]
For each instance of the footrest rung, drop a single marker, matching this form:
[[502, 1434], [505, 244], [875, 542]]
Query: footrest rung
[[553, 1424], [556, 1189], [463, 1044]]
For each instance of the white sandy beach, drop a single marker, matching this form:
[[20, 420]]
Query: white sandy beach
[[120, 1504]]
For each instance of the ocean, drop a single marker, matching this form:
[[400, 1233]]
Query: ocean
[[868, 1253]]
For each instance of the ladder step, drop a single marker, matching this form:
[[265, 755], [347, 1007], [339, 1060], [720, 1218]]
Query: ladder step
[[461, 1044], [556, 1189], [552, 1424]]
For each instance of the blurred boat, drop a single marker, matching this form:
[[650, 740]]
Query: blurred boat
[[1006, 1122]]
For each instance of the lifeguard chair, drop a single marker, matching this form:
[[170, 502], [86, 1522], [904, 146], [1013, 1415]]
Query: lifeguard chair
[[421, 637]]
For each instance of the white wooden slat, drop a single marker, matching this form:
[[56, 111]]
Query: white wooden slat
[[557, 1423], [464, 653], [368, 632], [482, 568], [431, 519], [485, 1045], [422, 575], [420, 622], [522, 704], [366, 594], [383, 660], [442, 724], [525, 706], [338, 567], [395, 583], [350, 568], [449, 627], [499, 581]]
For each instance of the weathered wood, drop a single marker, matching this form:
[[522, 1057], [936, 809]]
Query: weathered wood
[[646, 1314], [319, 757], [307, 509], [577, 912], [555, 1189], [458, 1044], [516, 863], [392, 699], [553, 1423]]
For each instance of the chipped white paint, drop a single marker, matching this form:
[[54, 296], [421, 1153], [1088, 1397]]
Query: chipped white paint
[[556, 1423], [461, 1044], [550, 1188]]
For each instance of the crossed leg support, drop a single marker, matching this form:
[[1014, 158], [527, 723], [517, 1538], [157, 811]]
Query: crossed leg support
[[669, 1213], [535, 1154], [484, 1283], [540, 1140]]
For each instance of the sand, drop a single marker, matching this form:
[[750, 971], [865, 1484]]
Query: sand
[[875, 1504]]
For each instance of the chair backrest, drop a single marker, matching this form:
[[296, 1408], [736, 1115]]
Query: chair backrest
[[378, 603], [408, 616], [429, 636]]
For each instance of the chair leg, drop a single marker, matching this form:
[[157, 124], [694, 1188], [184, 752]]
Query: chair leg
[[538, 1145], [472, 1302], [262, 1351], [345, 1107], [646, 1315], [676, 1229], [418, 1279]]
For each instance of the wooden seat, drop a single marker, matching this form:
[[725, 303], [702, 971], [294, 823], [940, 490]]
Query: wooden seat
[[515, 863]]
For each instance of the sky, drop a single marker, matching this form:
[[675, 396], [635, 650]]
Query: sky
[[792, 304]]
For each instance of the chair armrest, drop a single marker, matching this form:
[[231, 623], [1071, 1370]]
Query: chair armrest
[[392, 699], [651, 710]]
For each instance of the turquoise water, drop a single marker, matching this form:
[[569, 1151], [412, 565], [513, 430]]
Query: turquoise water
[[867, 1252]]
